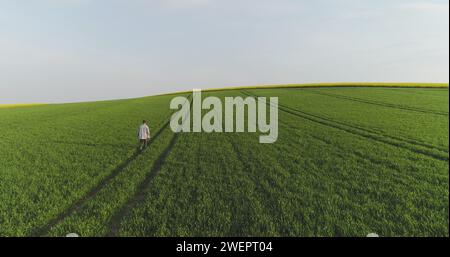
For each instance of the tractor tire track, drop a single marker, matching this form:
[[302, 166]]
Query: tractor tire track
[[405, 140], [139, 196], [441, 155], [378, 103], [141, 192], [418, 92], [78, 204], [265, 197]]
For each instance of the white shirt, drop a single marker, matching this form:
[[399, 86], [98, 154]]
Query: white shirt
[[144, 132]]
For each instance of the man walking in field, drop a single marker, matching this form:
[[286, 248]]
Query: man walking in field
[[143, 135]]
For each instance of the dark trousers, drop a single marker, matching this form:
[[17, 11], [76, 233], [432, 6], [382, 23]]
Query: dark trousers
[[143, 143]]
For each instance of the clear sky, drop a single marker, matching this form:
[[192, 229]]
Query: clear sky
[[79, 50]]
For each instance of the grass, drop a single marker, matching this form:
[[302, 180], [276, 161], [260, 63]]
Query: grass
[[348, 161]]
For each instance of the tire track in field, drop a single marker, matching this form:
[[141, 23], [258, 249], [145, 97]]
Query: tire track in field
[[374, 161], [440, 155], [141, 192], [379, 103], [417, 92], [264, 196], [375, 137], [78, 204], [356, 153], [139, 196], [405, 140]]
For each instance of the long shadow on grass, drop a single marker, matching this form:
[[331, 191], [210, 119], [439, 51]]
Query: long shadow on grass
[[431, 151], [141, 192], [93, 192], [139, 196], [89, 144]]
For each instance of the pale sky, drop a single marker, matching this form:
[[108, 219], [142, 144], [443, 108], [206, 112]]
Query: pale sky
[[83, 50]]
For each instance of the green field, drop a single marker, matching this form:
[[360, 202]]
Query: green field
[[348, 161]]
